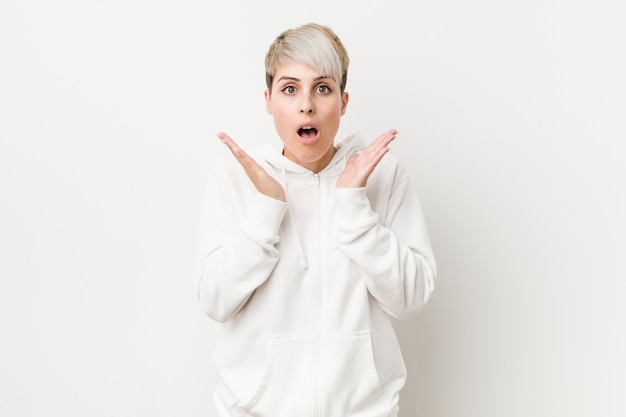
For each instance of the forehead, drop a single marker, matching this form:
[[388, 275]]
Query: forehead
[[300, 72]]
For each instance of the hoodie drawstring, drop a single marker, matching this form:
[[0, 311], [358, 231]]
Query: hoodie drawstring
[[302, 261]]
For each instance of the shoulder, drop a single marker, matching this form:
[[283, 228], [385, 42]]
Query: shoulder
[[389, 170]]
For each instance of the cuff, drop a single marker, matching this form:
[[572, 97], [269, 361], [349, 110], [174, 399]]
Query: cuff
[[264, 219]]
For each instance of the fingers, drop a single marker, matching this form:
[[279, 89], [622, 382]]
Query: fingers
[[263, 182], [375, 151], [248, 163], [242, 157], [379, 146], [232, 146], [385, 139]]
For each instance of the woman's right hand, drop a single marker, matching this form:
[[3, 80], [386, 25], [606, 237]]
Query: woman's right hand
[[264, 183]]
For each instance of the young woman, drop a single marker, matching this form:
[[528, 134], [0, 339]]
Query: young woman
[[307, 248]]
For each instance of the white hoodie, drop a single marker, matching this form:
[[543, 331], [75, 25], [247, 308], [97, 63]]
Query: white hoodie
[[306, 288]]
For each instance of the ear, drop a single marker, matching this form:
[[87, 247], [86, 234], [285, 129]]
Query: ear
[[344, 102], [268, 101]]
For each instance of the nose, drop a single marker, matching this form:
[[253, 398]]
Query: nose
[[306, 106]]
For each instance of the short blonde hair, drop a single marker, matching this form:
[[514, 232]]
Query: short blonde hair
[[313, 44]]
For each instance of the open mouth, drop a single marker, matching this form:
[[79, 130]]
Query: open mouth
[[307, 132]]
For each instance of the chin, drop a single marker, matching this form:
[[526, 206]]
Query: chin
[[306, 155]]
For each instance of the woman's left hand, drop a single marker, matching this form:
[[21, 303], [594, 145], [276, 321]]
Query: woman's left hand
[[360, 166]]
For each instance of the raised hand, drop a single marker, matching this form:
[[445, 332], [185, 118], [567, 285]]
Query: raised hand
[[360, 166], [264, 183]]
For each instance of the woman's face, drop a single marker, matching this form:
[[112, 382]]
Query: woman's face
[[306, 107]]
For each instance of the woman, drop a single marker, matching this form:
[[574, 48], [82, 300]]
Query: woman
[[306, 250]]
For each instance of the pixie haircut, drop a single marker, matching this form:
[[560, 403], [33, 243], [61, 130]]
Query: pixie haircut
[[313, 44]]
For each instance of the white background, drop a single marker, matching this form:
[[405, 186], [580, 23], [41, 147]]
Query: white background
[[512, 123]]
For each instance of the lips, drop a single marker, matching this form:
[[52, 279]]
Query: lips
[[308, 134]]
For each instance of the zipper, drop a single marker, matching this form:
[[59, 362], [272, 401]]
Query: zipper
[[317, 409]]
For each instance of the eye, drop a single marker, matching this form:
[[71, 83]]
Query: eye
[[290, 89], [323, 89]]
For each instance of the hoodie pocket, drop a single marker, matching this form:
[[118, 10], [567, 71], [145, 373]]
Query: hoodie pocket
[[338, 380], [285, 389], [349, 382]]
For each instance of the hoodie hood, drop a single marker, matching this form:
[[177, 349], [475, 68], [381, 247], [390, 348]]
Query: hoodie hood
[[271, 153]]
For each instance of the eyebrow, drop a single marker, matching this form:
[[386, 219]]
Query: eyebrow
[[322, 77]]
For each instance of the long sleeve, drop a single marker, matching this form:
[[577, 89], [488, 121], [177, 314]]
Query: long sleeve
[[394, 252], [236, 242]]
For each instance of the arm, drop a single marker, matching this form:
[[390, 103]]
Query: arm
[[236, 243], [393, 253]]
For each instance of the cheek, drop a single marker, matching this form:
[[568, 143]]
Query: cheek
[[282, 121], [333, 113], [338, 108], [281, 110]]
